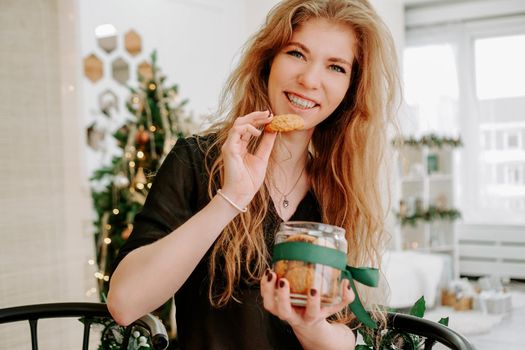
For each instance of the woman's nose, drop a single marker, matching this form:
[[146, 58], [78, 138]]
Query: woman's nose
[[310, 76]]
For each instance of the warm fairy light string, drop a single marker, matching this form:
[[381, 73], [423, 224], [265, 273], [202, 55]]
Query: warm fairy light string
[[130, 175], [149, 122], [102, 245], [164, 117], [156, 114]]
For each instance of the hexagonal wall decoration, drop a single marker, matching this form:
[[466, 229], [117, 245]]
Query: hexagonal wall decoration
[[93, 68], [133, 42], [95, 137], [108, 102], [144, 70], [120, 70], [106, 35], [107, 43]]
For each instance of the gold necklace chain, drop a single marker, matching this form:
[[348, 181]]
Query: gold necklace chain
[[286, 202]]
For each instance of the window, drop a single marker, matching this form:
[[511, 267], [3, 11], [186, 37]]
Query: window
[[468, 79], [499, 67], [431, 94]]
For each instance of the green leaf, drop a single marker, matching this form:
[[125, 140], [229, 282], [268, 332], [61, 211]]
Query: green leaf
[[367, 337], [444, 321], [154, 57], [362, 347], [419, 308]]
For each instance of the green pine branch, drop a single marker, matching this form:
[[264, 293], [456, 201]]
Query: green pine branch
[[395, 339], [430, 215], [430, 140]]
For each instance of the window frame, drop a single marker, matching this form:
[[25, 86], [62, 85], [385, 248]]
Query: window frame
[[462, 36]]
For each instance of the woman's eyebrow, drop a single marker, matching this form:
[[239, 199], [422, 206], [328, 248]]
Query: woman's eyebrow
[[301, 46], [331, 59], [340, 60]]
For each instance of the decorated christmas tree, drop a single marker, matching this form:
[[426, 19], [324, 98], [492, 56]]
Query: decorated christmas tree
[[119, 189]]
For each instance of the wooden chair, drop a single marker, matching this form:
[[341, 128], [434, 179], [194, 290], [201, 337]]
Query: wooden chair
[[88, 314]]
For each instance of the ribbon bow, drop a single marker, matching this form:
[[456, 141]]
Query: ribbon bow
[[311, 253]]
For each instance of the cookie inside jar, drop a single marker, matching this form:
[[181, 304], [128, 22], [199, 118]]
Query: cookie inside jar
[[304, 276]]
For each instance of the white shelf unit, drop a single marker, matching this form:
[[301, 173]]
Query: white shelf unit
[[426, 181]]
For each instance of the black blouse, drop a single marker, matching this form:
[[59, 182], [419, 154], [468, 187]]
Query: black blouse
[[178, 192]]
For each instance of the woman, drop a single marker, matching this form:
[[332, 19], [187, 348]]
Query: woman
[[207, 227]]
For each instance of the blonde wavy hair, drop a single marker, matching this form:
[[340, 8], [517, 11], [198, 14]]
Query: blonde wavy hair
[[351, 141]]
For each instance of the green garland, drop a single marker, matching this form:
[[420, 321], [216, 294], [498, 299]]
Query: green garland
[[431, 214], [387, 339], [113, 336], [430, 140]]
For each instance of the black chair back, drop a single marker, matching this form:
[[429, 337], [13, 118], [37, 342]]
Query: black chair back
[[433, 332], [89, 314]]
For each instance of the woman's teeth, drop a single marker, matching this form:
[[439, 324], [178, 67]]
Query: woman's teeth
[[299, 102]]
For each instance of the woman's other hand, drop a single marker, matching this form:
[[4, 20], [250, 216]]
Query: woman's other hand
[[244, 172], [276, 296]]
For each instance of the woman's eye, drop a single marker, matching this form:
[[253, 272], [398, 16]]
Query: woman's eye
[[295, 53], [337, 68]]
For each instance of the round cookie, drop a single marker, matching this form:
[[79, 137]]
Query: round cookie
[[301, 278], [282, 266], [299, 274], [301, 238], [284, 123]]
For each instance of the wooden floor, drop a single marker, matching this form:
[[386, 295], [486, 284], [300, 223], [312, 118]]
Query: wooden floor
[[507, 335]]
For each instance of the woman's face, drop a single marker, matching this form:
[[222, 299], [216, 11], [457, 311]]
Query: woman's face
[[311, 74]]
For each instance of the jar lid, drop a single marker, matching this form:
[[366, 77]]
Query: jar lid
[[312, 228]]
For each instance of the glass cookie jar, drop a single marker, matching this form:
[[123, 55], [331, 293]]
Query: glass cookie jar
[[302, 274]]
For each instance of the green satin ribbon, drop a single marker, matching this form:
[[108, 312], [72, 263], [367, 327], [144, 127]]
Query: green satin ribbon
[[311, 253]]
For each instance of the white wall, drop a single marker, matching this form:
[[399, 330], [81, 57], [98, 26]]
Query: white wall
[[196, 42], [256, 11], [392, 12]]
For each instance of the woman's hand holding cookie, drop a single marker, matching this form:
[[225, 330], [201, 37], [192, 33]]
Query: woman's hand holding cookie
[[244, 172], [276, 299]]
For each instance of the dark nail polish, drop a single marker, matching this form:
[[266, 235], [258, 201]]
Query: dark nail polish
[[348, 286], [281, 284], [313, 292], [267, 272], [269, 276]]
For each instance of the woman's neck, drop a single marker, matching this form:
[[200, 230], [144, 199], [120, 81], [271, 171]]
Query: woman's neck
[[290, 152], [287, 179]]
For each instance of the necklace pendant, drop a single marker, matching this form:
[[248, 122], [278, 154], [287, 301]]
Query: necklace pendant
[[286, 203]]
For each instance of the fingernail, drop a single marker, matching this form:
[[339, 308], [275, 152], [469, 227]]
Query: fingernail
[[269, 276], [348, 286], [267, 272], [313, 292], [281, 284]]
